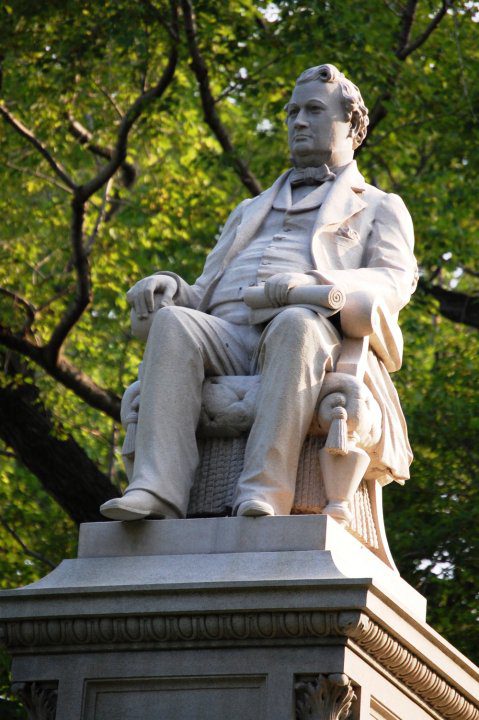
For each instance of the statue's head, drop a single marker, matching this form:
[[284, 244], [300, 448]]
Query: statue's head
[[326, 116]]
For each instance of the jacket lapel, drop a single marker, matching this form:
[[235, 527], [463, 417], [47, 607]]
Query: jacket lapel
[[342, 201], [253, 216]]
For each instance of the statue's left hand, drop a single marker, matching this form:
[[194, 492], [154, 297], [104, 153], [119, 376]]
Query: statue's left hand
[[276, 288]]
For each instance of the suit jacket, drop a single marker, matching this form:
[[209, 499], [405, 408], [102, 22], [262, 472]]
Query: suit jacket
[[358, 227], [362, 240]]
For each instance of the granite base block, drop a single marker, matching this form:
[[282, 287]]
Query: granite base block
[[247, 618]]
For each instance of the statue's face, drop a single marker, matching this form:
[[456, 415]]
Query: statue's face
[[318, 126]]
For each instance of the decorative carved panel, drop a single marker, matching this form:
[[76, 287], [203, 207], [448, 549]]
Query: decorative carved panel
[[39, 699], [328, 697]]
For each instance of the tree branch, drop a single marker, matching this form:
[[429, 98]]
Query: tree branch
[[171, 28], [244, 82], [414, 123], [20, 345], [49, 356], [82, 193], [208, 102], [453, 305], [404, 49], [30, 309], [85, 137], [460, 57], [22, 130], [61, 293], [391, 7], [407, 49], [80, 251], [110, 99], [25, 548], [134, 112], [66, 373], [82, 385], [83, 292], [99, 218], [37, 174], [407, 19], [469, 271], [377, 114]]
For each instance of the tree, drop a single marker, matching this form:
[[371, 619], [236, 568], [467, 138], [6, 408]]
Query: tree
[[129, 130]]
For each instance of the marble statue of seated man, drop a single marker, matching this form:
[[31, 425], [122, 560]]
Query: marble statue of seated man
[[319, 223]]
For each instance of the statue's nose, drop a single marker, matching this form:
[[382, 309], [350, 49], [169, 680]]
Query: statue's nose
[[300, 120]]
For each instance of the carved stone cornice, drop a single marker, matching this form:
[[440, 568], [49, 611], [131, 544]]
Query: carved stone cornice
[[167, 630], [39, 699], [252, 628], [327, 697], [392, 655]]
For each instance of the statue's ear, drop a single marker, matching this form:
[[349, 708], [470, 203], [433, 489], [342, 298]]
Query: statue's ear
[[355, 123], [357, 130]]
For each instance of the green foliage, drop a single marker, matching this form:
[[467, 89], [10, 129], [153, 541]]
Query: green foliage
[[89, 61], [432, 521], [35, 535]]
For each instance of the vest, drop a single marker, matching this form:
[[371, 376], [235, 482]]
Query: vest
[[281, 245]]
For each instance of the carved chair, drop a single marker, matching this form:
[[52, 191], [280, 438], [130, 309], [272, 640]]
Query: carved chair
[[336, 453]]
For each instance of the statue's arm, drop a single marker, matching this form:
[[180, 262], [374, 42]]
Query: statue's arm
[[152, 293], [389, 271]]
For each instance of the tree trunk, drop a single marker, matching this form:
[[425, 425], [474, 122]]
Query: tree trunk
[[62, 466]]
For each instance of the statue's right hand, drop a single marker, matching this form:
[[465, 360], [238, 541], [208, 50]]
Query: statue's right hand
[[141, 296]]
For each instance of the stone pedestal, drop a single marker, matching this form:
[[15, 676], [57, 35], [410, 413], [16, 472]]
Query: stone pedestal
[[241, 618]]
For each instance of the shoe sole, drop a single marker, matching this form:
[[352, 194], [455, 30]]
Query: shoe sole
[[251, 509], [123, 513]]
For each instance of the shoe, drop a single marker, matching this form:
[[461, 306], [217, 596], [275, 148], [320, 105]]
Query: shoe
[[136, 505], [254, 508], [340, 511]]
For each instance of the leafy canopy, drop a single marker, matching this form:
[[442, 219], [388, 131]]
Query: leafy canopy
[[70, 73]]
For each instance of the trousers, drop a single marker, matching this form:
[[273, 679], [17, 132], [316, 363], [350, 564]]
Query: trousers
[[184, 346]]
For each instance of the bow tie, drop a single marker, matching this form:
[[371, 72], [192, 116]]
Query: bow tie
[[311, 176]]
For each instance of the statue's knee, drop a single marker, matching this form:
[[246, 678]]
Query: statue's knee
[[293, 324], [169, 314], [170, 320]]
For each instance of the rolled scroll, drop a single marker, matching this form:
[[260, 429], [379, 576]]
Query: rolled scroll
[[331, 297]]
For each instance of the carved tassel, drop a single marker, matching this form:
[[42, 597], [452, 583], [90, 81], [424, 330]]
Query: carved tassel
[[128, 448], [337, 440]]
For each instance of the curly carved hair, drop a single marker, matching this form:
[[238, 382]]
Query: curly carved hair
[[352, 99]]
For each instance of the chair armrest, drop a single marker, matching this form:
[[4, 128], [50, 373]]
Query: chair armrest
[[365, 316]]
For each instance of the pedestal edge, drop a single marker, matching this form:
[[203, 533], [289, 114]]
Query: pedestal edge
[[226, 629]]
